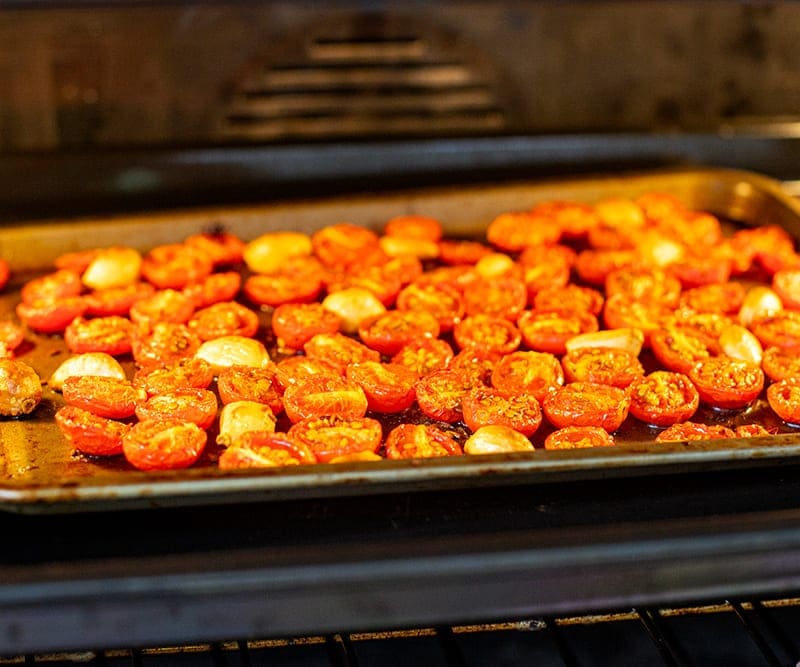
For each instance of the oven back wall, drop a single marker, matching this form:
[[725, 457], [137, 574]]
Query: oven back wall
[[210, 73]]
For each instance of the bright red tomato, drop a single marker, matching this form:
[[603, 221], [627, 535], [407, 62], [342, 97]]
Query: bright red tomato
[[51, 315], [784, 399], [388, 387], [412, 441], [549, 330], [176, 265], [424, 355], [226, 318], [535, 373], [334, 436], [587, 404], [663, 398], [190, 373], [443, 301], [483, 406], [90, 434], [390, 332], [727, 383], [260, 449], [440, 393], [167, 305], [102, 396], [248, 383], [339, 350], [602, 365], [111, 335], [297, 323], [321, 396], [578, 437], [198, 406], [487, 335], [163, 445], [694, 431], [116, 300]]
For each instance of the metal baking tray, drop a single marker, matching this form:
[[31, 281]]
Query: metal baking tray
[[41, 474]]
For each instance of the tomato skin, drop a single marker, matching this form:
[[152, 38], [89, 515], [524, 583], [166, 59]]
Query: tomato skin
[[247, 383], [484, 406], [259, 449], [439, 395], [784, 399], [167, 305], [223, 248], [409, 441], [116, 300], [339, 350], [198, 406], [333, 436], [390, 332], [778, 330], [216, 288], [602, 365], [781, 362], [295, 324], [90, 434], [111, 335], [499, 297], [102, 396], [693, 431], [190, 373], [176, 265], [226, 318], [163, 445], [578, 298], [424, 356], [324, 396], [587, 404], [578, 437], [663, 398], [549, 330], [535, 373], [443, 301], [487, 335], [56, 285], [51, 315], [679, 350], [727, 383], [167, 343], [296, 369], [388, 387]]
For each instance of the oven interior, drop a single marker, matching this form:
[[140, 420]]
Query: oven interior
[[110, 107]]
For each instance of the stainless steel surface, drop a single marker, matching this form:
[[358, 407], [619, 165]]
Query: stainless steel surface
[[41, 475]]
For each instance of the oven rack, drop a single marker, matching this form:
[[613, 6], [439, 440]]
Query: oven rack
[[753, 632]]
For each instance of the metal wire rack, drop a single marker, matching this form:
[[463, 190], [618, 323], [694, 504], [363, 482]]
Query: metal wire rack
[[731, 633]]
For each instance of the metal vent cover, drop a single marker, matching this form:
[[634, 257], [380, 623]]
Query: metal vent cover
[[366, 76]]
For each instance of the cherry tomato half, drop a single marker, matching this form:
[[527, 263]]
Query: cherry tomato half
[[483, 406], [784, 399], [214, 289], [411, 441], [779, 330], [176, 265], [578, 437], [663, 398], [487, 335], [424, 355], [443, 301], [292, 370], [321, 396], [223, 248], [440, 393], [727, 383], [262, 449], [59, 284], [390, 332], [694, 431], [587, 404], [612, 366], [780, 363], [297, 323], [549, 330], [535, 373], [333, 436], [249, 383], [163, 445], [90, 434], [51, 315], [116, 300], [339, 350], [167, 305], [388, 387], [225, 318], [167, 343], [198, 406], [111, 334], [101, 395], [189, 373]]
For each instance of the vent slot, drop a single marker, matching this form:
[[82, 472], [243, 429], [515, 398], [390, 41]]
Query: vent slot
[[355, 80]]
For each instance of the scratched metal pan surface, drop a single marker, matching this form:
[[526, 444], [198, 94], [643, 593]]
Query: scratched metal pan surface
[[39, 473]]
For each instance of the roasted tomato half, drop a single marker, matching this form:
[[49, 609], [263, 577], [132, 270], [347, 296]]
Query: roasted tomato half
[[388, 387], [784, 399], [390, 332], [535, 373], [578, 437], [198, 406], [324, 395], [334, 436], [295, 324], [262, 449], [90, 434], [226, 318], [487, 335], [695, 431], [484, 406], [663, 398], [111, 334], [101, 395], [550, 330], [163, 445], [602, 365], [587, 404], [440, 393], [250, 383], [411, 441], [726, 383]]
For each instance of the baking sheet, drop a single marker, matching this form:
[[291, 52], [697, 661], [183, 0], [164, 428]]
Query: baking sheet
[[42, 474]]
